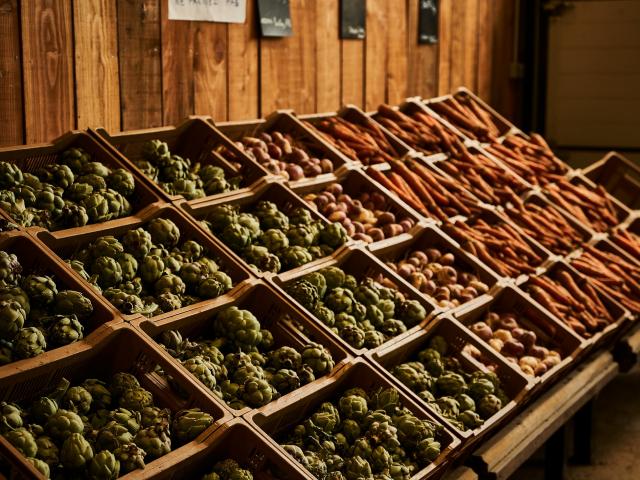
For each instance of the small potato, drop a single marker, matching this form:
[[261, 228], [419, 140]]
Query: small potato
[[528, 339], [503, 334], [540, 369], [513, 347], [330, 208], [472, 292], [538, 352], [359, 227], [429, 287], [274, 136], [335, 189], [298, 155], [343, 197], [417, 279], [428, 273], [479, 286], [447, 259], [529, 361], [442, 293], [330, 196], [392, 266], [508, 322], [493, 319], [337, 216], [275, 151], [420, 255], [326, 166], [482, 330], [386, 218], [551, 361], [406, 270], [342, 207], [313, 171], [378, 200], [350, 228], [446, 275], [295, 172], [407, 225], [496, 344], [413, 261], [434, 254], [391, 230], [364, 237]]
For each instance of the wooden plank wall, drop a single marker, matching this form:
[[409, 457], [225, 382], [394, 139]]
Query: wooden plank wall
[[123, 65]]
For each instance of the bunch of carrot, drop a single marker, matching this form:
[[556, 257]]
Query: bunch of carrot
[[627, 241], [613, 274], [418, 130], [578, 306], [425, 190], [591, 206], [532, 159], [499, 245], [490, 182], [470, 118], [364, 142], [544, 223]]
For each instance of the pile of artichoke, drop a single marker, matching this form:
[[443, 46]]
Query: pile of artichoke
[[149, 270], [228, 469], [35, 314], [96, 429], [364, 314], [180, 176], [6, 225], [465, 399], [73, 192], [363, 436], [239, 362], [271, 241]]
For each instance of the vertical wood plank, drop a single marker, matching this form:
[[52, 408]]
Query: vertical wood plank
[[243, 77], [445, 39], [177, 68], [140, 63], [210, 69], [485, 43], [502, 91], [423, 67], [352, 72], [327, 56], [48, 69], [96, 54], [11, 119], [287, 65], [470, 48], [375, 54], [457, 58], [397, 52]]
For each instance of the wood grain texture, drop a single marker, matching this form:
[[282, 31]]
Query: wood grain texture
[[140, 63], [422, 61], [177, 68], [485, 45], [96, 65], [396, 52], [352, 72], [457, 53], [48, 69], [242, 64], [11, 119], [470, 48], [287, 65], [210, 70], [445, 37], [375, 54], [328, 63], [502, 88]]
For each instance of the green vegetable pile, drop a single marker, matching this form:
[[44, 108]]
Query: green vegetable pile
[[97, 430], [228, 469], [271, 241], [465, 399], [180, 176], [239, 362], [35, 314], [73, 192], [363, 436], [149, 270], [6, 225], [364, 314]]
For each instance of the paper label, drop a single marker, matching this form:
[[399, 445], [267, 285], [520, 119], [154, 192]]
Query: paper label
[[223, 11]]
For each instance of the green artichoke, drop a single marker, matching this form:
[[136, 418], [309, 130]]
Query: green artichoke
[[104, 466], [10, 417], [65, 330], [42, 290], [77, 399], [63, 423], [318, 358], [29, 342], [22, 440], [40, 465], [130, 456], [12, 318], [188, 424], [47, 451], [76, 451], [135, 399], [155, 441], [164, 232]]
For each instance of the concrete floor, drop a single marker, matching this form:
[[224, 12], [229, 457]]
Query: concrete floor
[[615, 441]]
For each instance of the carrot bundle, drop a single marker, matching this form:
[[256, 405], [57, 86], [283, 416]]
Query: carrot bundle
[[418, 130], [591, 207], [579, 307], [613, 274], [470, 118], [425, 190], [363, 142], [500, 246], [546, 225], [627, 241], [532, 159]]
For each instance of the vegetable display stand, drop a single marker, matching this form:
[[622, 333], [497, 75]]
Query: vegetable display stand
[[235, 440], [513, 309], [305, 142], [269, 191], [568, 296], [65, 245], [97, 360], [387, 212], [357, 136], [30, 158], [289, 326], [357, 261], [501, 245], [429, 240], [195, 139], [553, 228], [514, 384], [279, 416], [35, 259], [619, 176]]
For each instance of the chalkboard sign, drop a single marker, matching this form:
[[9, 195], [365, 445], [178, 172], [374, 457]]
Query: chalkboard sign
[[428, 21], [275, 18], [353, 18]]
